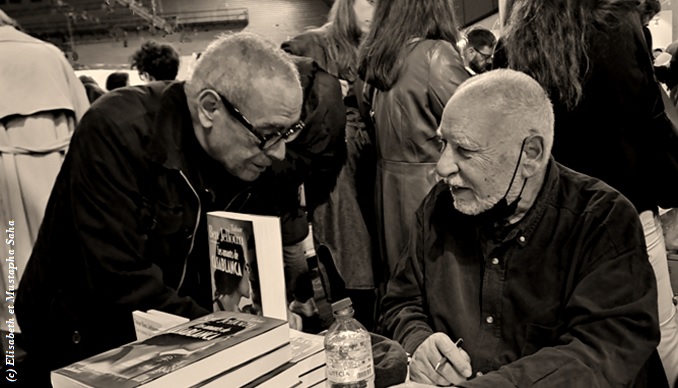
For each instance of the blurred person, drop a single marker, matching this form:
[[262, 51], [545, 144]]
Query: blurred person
[[410, 59], [340, 208], [92, 88], [668, 74], [126, 225], [115, 80], [540, 269], [42, 102], [156, 62], [594, 62], [477, 53]]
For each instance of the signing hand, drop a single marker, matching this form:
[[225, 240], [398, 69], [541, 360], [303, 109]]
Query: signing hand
[[456, 369], [294, 320]]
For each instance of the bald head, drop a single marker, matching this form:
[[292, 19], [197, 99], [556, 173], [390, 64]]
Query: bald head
[[498, 127], [515, 102]]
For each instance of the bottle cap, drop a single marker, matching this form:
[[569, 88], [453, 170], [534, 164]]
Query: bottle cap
[[342, 304]]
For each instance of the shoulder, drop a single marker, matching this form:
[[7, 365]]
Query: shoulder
[[123, 114], [308, 44], [304, 42], [597, 210]]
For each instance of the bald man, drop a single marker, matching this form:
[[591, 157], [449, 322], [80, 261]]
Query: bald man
[[541, 270], [125, 225]]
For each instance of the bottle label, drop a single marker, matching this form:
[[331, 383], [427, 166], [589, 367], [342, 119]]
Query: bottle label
[[338, 371]]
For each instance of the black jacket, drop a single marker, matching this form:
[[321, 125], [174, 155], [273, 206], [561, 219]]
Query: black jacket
[[124, 225]]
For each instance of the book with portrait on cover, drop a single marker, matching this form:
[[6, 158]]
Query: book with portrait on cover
[[184, 355], [246, 264]]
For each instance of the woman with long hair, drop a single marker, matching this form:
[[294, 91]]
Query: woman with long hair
[[592, 59], [411, 60], [339, 207]]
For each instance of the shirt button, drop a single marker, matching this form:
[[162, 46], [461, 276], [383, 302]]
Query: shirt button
[[479, 374], [489, 319], [495, 261], [76, 337], [521, 238]]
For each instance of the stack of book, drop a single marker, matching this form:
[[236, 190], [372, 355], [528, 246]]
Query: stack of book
[[223, 346], [246, 342], [308, 353]]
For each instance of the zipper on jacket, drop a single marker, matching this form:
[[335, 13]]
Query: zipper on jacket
[[195, 230]]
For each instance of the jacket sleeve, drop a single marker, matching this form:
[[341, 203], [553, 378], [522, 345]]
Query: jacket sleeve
[[446, 73], [106, 213], [318, 153], [404, 317]]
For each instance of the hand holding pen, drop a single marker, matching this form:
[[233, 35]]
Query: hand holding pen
[[443, 360], [438, 361]]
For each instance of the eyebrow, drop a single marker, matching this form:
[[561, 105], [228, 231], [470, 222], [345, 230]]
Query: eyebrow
[[463, 141]]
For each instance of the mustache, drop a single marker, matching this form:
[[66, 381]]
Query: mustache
[[453, 181]]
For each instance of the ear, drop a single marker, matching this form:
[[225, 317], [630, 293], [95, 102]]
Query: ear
[[207, 108], [469, 52], [533, 155]]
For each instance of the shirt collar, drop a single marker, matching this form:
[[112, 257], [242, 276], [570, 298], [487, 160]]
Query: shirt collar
[[524, 229]]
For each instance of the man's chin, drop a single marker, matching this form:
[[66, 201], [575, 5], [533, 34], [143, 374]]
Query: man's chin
[[470, 209]]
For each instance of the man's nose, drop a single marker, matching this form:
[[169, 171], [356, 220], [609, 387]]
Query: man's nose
[[277, 151], [447, 164]]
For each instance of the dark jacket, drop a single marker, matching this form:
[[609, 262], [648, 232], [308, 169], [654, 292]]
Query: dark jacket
[[612, 133], [124, 228], [564, 298], [348, 174], [316, 155], [406, 118]]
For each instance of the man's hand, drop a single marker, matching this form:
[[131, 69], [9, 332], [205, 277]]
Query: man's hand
[[455, 368], [294, 320]]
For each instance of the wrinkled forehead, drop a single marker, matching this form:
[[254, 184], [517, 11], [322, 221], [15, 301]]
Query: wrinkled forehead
[[466, 116]]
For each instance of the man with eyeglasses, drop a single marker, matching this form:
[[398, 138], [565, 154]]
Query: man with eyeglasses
[[477, 53], [125, 224]]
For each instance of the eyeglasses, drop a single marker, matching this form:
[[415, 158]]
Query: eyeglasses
[[265, 141], [486, 57]]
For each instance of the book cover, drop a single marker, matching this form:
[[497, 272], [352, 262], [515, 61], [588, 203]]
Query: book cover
[[181, 356], [313, 377], [308, 350], [246, 262], [251, 371], [285, 376], [146, 324]]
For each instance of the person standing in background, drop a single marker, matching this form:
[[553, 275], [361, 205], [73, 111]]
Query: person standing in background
[[92, 88], [410, 58], [341, 220], [477, 52], [42, 101], [592, 58], [117, 80], [156, 62]]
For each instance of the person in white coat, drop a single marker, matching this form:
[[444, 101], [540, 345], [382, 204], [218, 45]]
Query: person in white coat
[[42, 100]]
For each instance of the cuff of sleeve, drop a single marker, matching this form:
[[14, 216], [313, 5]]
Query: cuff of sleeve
[[488, 380], [412, 342]]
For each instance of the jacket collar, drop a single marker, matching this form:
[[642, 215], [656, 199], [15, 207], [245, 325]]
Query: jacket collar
[[172, 125]]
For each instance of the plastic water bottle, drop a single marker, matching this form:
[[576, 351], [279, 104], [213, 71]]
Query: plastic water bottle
[[348, 349]]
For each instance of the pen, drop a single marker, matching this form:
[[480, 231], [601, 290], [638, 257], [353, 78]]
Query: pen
[[442, 361]]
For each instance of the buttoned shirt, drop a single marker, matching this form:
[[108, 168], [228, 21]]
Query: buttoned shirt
[[565, 297]]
